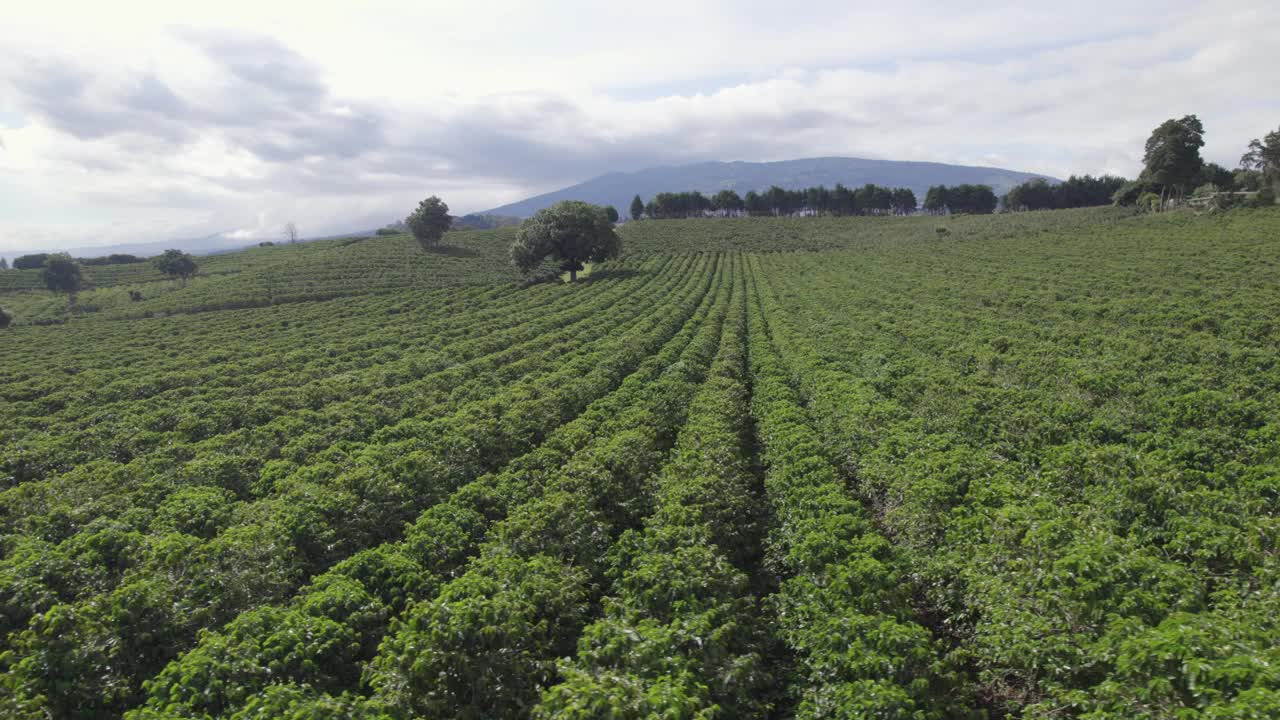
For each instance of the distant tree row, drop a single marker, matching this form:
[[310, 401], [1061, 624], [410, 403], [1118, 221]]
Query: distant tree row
[[36, 261], [1077, 191], [778, 201], [113, 259], [972, 199]]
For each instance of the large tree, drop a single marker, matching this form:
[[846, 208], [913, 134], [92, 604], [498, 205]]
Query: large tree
[[429, 221], [572, 232], [176, 263], [637, 207], [1264, 156], [1172, 156], [62, 275]]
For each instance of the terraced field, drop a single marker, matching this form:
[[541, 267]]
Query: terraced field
[[766, 468]]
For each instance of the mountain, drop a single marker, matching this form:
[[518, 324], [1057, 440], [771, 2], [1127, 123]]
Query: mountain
[[617, 189]]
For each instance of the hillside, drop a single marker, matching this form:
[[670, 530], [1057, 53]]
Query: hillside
[[753, 468], [262, 276], [617, 189]]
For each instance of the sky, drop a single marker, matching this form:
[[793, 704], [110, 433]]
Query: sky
[[138, 121]]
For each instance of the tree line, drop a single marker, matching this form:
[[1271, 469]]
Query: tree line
[[966, 198], [869, 199], [1075, 192]]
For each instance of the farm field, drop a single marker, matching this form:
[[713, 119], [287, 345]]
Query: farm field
[[1011, 466]]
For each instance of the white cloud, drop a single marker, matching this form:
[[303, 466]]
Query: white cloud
[[141, 121]]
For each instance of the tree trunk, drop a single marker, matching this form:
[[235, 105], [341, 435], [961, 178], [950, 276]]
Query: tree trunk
[[573, 276]]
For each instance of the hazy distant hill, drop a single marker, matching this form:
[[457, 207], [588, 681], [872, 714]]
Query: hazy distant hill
[[617, 189]]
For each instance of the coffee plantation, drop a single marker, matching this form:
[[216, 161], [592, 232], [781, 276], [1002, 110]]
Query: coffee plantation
[[794, 467]]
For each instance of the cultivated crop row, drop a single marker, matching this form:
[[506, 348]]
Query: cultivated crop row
[[533, 523], [1072, 450], [316, 514]]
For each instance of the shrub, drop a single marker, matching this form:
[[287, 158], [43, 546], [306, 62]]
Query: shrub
[[1266, 197], [6, 318], [1149, 202]]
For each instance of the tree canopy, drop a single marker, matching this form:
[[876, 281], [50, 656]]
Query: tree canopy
[[612, 213], [637, 208], [62, 275], [776, 201], [975, 199], [176, 263], [1172, 157], [1264, 156], [429, 221], [572, 232], [1076, 191], [30, 262]]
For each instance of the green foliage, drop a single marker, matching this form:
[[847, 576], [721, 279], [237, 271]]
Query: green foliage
[[968, 199], [5, 318], [612, 213], [1263, 157], [30, 262], [62, 274], [772, 467], [486, 646], [777, 201], [571, 233], [112, 259], [176, 263], [637, 208], [1172, 154], [476, 221], [429, 221], [1083, 191]]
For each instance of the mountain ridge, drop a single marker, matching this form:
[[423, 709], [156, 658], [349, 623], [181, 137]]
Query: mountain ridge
[[617, 188]]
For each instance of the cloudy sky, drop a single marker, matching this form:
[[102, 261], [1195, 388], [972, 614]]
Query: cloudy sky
[[146, 121]]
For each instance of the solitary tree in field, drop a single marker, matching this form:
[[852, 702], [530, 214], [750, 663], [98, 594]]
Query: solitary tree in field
[[290, 232], [572, 232], [429, 222], [176, 263], [1172, 156], [637, 208], [62, 275]]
